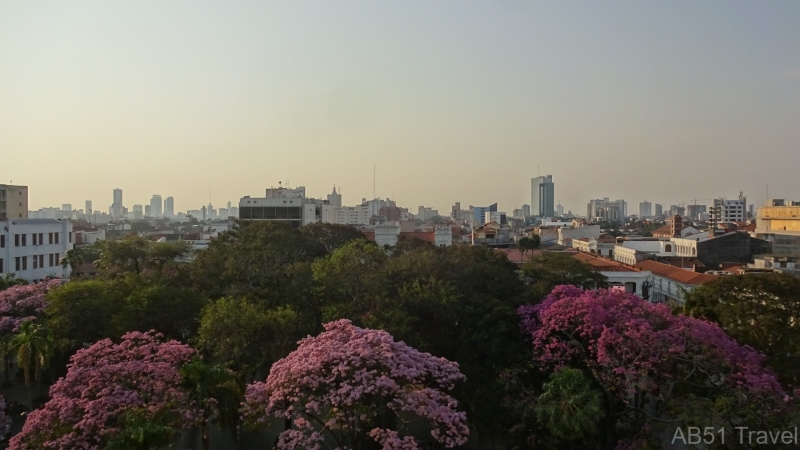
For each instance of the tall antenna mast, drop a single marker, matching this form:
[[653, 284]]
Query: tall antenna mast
[[373, 181]]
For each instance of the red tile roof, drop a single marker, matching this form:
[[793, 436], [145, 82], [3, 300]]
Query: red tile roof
[[515, 255], [600, 264], [676, 273]]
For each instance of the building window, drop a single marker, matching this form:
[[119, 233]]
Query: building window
[[17, 264], [70, 236], [35, 262], [33, 238], [50, 259], [57, 258], [3, 241], [694, 251], [668, 248], [56, 237], [41, 238], [50, 237], [24, 263], [16, 240], [1, 266], [41, 261], [24, 240]]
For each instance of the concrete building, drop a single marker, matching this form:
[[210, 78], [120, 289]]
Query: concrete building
[[633, 251], [526, 210], [169, 207], [479, 213], [376, 204], [559, 210], [13, 202], [496, 216], [116, 206], [345, 215], [697, 212], [659, 212], [32, 249], [280, 205], [645, 210], [543, 196], [736, 246], [670, 284], [426, 213], [605, 209], [156, 206], [455, 212], [779, 223], [620, 276], [88, 210], [776, 263], [728, 211], [602, 246], [577, 230], [676, 228], [334, 198]]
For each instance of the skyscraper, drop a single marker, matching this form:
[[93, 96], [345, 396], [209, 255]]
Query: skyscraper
[[659, 211], [88, 210], [169, 207], [156, 206], [543, 196], [645, 210], [116, 207]]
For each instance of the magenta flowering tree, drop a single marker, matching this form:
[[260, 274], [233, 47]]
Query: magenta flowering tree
[[352, 388], [106, 385], [21, 302], [655, 370]]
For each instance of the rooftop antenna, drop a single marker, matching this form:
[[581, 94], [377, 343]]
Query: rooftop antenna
[[373, 181]]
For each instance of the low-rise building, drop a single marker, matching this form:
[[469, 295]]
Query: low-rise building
[[731, 247], [347, 215], [670, 284], [620, 276], [577, 230], [779, 223], [776, 263], [32, 249]]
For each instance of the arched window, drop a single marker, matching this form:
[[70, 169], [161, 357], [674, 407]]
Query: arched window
[[668, 248], [694, 251]]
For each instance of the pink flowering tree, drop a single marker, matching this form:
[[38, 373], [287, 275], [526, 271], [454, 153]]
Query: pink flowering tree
[[109, 386], [21, 302], [654, 371], [357, 388]]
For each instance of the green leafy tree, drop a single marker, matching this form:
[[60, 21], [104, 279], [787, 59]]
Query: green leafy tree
[[32, 346], [762, 311], [330, 236], [569, 406], [245, 336], [218, 392], [72, 259], [123, 255], [254, 260], [529, 243], [550, 269], [138, 433]]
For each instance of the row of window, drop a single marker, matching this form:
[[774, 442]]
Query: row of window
[[21, 240], [37, 262]]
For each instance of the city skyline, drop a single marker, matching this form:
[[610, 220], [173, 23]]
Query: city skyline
[[613, 100]]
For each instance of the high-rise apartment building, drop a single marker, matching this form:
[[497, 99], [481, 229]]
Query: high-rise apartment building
[[13, 202], [169, 207], [604, 209], [156, 206], [88, 209], [659, 211], [726, 211], [116, 207], [526, 210], [542, 196], [645, 210]]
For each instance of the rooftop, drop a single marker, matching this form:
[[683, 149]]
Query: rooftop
[[601, 264], [676, 273]]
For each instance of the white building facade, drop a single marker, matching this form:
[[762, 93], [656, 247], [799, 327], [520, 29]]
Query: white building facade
[[32, 249], [345, 215]]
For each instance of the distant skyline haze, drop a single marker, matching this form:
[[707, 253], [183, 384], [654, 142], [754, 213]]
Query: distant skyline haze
[[450, 101]]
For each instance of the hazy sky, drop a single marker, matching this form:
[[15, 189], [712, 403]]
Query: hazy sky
[[452, 100]]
